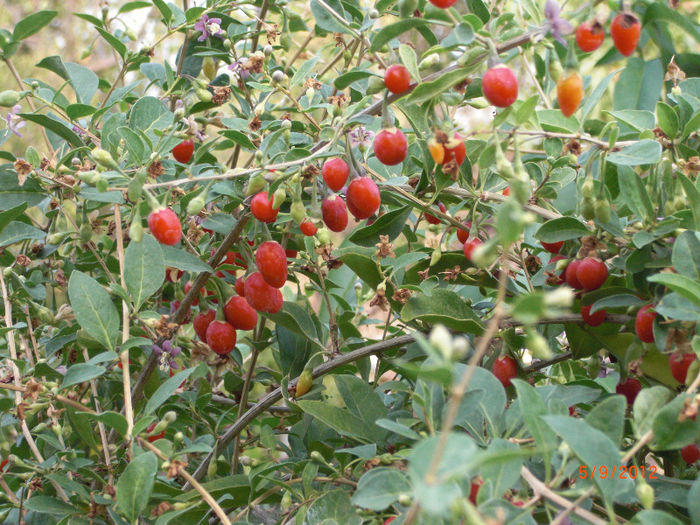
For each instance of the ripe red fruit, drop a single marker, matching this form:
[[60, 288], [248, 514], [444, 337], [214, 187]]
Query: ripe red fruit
[[397, 79], [463, 235], [335, 214], [591, 273], [291, 254], [506, 191], [589, 37], [308, 228], [625, 30], [221, 337], [644, 324], [261, 208], [155, 437], [3, 463], [390, 147], [335, 173], [552, 247], [500, 86], [593, 320], [172, 275], [233, 258], [389, 520], [569, 93], [240, 314], [474, 491], [363, 197], [505, 369], [201, 323], [629, 388], [262, 296], [679, 363], [202, 290], [434, 220], [571, 275], [690, 454], [443, 4], [165, 226], [272, 263], [469, 247], [240, 286], [183, 151]]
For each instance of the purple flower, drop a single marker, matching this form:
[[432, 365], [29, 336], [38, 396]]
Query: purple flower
[[78, 131], [361, 137], [557, 26], [15, 123], [166, 355], [209, 27]]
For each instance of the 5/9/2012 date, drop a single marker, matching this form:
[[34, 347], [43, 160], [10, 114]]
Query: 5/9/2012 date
[[621, 471]]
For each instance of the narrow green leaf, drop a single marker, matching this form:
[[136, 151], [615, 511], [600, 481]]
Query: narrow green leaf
[[32, 24], [682, 285], [166, 390], [135, 485], [80, 373], [93, 308], [561, 229], [388, 33], [18, 231]]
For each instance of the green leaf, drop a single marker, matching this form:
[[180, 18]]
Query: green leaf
[[694, 501], [80, 373], [294, 351], [669, 433], [410, 60], [238, 137], [340, 420], [346, 79], [113, 41], [93, 308], [164, 10], [135, 485], [634, 193], [609, 417], [111, 419], [509, 224], [646, 405], [19, 231], [667, 119], [49, 505], [673, 306], [131, 6], [594, 449], [13, 195], [639, 85], [532, 407], [646, 151], [654, 517], [6, 217], [54, 126], [561, 229], [691, 126], [379, 488], [361, 400], [76, 111], [595, 96], [297, 319], [391, 224], [327, 21], [693, 195], [686, 254], [444, 307], [182, 260], [554, 120], [638, 120], [397, 428], [32, 24], [388, 33], [331, 508], [427, 90], [83, 81], [149, 114], [682, 285], [144, 269], [166, 390]]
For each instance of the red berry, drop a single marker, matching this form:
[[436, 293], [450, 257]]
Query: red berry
[[261, 208], [201, 323], [690, 454], [240, 314], [363, 197], [505, 369], [335, 214], [463, 235], [397, 79], [474, 491], [183, 151], [173, 275], [625, 30], [202, 290], [500, 86], [678, 363], [452, 150], [155, 437], [443, 4], [469, 247], [291, 254], [3, 463], [308, 228], [165, 226], [335, 173], [572, 410], [221, 337], [506, 191], [240, 286], [234, 259], [629, 388], [553, 247], [571, 275], [644, 324], [272, 263], [431, 218], [589, 37], [389, 520], [390, 147], [591, 273], [262, 296], [569, 93], [593, 320]]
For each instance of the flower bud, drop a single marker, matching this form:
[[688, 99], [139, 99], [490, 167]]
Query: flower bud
[[267, 50], [136, 229], [560, 297], [324, 236], [170, 416], [304, 383], [645, 493], [298, 211], [278, 197], [317, 457], [259, 109], [196, 205], [537, 345], [441, 339], [204, 95], [89, 177], [588, 188], [405, 500], [436, 256], [255, 184], [104, 159], [602, 210], [278, 76], [588, 209]]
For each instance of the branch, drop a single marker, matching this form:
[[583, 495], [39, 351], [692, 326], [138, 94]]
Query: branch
[[274, 396], [568, 319]]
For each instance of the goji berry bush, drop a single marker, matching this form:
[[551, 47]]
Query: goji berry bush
[[337, 262]]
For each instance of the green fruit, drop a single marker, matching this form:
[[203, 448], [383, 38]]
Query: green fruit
[[588, 209], [133, 192], [204, 95], [209, 68], [305, 382], [9, 98], [645, 493], [104, 158], [256, 184], [407, 8], [298, 211], [602, 211], [136, 229], [588, 188], [196, 205]]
